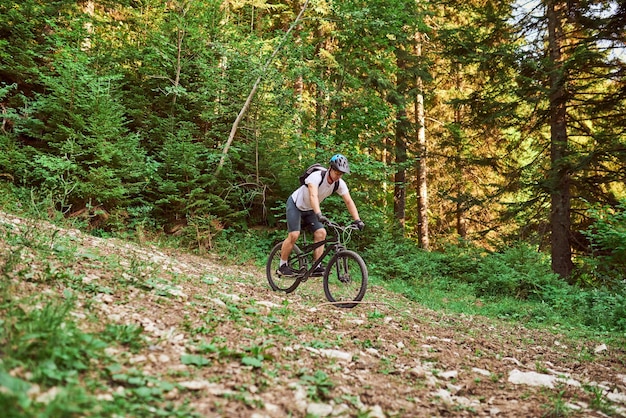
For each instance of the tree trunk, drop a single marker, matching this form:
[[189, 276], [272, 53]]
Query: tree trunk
[[89, 9], [560, 172], [422, 172], [399, 196], [401, 128], [461, 206], [298, 85]]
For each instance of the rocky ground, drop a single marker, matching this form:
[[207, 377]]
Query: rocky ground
[[234, 348]]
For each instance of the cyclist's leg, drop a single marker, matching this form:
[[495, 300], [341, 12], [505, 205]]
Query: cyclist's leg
[[319, 232], [294, 216], [319, 235], [288, 245]]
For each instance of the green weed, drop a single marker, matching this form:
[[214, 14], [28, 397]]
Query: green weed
[[319, 344], [244, 397], [376, 314], [194, 360], [50, 367], [129, 335], [557, 407], [256, 354], [318, 385], [598, 400]]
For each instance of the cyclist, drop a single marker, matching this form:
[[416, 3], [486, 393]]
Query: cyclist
[[303, 207]]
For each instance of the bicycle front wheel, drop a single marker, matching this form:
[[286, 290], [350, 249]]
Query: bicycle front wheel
[[345, 279], [285, 284]]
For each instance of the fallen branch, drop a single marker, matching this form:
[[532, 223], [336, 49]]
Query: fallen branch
[[353, 302]]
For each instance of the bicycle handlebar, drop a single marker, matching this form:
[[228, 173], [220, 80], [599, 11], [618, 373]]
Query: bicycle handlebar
[[337, 226], [343, 229]]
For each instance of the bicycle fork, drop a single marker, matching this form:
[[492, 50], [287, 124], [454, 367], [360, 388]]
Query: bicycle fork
[[343, 271]]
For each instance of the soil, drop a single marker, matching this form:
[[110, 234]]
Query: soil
[[270, 354]]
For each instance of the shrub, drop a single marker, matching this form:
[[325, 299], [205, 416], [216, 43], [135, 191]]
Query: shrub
[[603, 309], [389, 259], [608, 239], [518, 271]]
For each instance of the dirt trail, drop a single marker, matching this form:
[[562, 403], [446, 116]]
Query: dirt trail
[[268, 354]]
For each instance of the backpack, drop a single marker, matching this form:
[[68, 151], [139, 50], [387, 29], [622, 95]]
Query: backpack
[[311, 169]]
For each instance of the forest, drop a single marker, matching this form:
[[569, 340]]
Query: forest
[[486, 138]]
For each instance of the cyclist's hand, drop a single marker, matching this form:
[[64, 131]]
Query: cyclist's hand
[[359, 224], [323, 219]]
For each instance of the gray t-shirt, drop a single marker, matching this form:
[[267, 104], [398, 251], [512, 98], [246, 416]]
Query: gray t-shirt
[[301, 195]]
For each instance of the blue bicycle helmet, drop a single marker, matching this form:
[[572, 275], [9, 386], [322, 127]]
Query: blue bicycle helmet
[[340, 163]]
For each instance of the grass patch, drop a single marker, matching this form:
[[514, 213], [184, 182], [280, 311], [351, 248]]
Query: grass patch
[[50, 367]]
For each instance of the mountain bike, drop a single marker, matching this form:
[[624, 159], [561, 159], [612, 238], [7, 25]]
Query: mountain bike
[[345, 275]]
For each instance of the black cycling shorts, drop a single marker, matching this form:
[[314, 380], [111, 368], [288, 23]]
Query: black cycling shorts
[[298, 219]]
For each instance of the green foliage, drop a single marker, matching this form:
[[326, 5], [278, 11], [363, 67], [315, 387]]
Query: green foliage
[[194, 360], [513, 284], [127, 335], [389, 260], [607, 235], [602, 309], [183, 182], [318, 384], [248, 246], [43, 341], [50, 367], [395, 258], [123, 113], [43, 337], [519, 271], [599, 399], [86, 157], [558, 406], [125, 110], [143, 395], [30, 36]]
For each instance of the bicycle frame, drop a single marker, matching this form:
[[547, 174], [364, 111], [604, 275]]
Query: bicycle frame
[[333, 244], [345, 276]]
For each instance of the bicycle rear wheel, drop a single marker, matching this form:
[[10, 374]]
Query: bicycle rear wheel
[[285, 284], [345, 279]]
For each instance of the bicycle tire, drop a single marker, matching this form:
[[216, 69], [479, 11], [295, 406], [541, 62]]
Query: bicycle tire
[[280, 283], [345, 279]]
